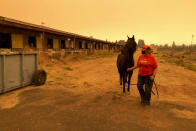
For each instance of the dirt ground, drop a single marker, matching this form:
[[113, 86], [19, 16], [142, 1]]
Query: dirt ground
[[85, 95]]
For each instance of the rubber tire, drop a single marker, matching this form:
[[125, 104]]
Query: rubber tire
[[40, 77]]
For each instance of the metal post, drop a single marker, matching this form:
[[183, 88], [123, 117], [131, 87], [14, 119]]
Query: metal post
[[3, 73], [22, 70], [74, 44], [43, 41], [36, 62], [192, 40]]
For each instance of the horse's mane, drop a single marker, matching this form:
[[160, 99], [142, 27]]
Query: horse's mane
[[129, 47]]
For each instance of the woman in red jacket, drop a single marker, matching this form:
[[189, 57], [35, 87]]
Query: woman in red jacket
[[147, 70]]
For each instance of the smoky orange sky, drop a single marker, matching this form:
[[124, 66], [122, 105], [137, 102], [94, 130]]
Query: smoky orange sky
[[155, 21]]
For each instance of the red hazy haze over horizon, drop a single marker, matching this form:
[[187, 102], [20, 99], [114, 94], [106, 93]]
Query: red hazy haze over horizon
[[155, 21]]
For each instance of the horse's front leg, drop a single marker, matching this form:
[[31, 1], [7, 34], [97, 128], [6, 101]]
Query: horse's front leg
[[121, 78], [124, 81], [129, 80]]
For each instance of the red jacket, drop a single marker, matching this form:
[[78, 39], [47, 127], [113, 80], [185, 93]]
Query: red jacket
[[147, 64]]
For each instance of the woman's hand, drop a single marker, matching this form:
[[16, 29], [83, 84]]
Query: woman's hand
[[129, 69], [132, 68], [152, 77]]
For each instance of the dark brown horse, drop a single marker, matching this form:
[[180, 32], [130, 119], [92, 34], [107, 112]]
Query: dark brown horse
[[125, 60]]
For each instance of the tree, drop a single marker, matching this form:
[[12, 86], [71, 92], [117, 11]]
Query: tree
[[174, 44], [166, 46], [141, 43], [121, 42]]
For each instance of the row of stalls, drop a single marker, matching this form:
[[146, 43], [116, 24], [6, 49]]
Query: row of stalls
[[17, 35]]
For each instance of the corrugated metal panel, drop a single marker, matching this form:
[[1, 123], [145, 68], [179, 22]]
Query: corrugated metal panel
[[16, 70], [29, 68], [17, 41], [12, 72], [1, 74]]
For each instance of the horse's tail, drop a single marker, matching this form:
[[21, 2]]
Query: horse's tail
[[118, 61]]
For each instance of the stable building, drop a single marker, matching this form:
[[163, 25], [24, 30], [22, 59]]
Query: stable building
[[17, 35]]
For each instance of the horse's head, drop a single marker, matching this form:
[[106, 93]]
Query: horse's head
[[131, 44]]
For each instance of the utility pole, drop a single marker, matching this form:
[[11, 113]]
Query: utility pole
[[191, 43], [192, 40]]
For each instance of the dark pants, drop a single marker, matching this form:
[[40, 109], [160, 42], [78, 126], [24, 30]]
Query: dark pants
[[145, 94]]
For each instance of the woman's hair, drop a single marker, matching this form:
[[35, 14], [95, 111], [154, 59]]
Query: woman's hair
[[143, 51]]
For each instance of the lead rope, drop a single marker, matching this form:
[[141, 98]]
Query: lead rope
[[156, 89]]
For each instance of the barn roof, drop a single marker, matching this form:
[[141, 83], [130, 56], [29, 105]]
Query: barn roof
[[24, 25]]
